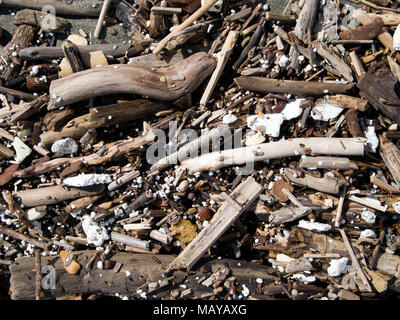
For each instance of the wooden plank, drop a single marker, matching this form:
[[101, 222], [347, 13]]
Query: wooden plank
[[244, 194]]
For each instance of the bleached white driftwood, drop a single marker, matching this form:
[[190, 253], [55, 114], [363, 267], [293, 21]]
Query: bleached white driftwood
[[274, 150], [244, 194]]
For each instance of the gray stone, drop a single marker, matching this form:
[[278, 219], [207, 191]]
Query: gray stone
[[66, 146]]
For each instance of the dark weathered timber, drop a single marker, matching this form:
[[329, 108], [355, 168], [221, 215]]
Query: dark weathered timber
[[368, 31], [71, 53]]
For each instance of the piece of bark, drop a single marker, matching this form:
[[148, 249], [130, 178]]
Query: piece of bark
[[306, 19], [347, 295], [391, 156], [189, 6], [389, 19], [47, 53], [282, 18], [51, 195], [7, 175], [122, 180], [103, 117], [157, 27], [196, 15], [302, 88], [6, 152], [54, 120], [132, 79], [11, 64], [327, 163], [73, 56], [19, 94], [357, 64], [71, 7], [326, 184], [30, 109], [243, 195], [287, 214], [366, 32], [273, 150], [384, 185], [352, 123], [381, 93], [242, 14], [40, 19], [345, 101]]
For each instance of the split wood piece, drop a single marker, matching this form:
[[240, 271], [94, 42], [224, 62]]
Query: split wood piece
[[190, 149], [81, 203], [56, 119], [157, 26], [6, 152], [389, 19], [130, 79], [385, 37], [332, 130], [257, 33], [47, 53], [274, 150], [242, 14], [130, 241], [73, 56], [285, 37], [122, 180], [345, 101], [71, 7], [327, 163], [355, 262], [223, 58], [375, 253], [326, 184], [368, 203], [191, 34], [196, 15], [287, 214], [10, 64], [301, 88], [142, 267], [394, 67], [110, 152], [335, 61], [7, 175], [352, 123], [243, 195], [189, 6], [391, 156], [381, 93], [40, 19], [383, 185], [103, 117], [30, 108], [38, 267], [321, 256], [282, 18], [51, 195], [166, 10], [103, 12], [368, 31], [306, 19], [16, 93]]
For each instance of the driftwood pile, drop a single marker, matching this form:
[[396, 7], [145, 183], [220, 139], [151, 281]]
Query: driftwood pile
[[226, 152]]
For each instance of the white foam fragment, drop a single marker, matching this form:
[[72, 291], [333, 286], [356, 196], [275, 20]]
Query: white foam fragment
[[337, 267], [66, 146], [83, 180], [283, 258], [368, 233], [314, 226], [325, 112], [283, 61], [372, 142], [94, 233], [396, 38], [21, 149], [304, 279], [368, 216], [35, 214], [229, 118], [396, 207], [292, 109], [269, 125]]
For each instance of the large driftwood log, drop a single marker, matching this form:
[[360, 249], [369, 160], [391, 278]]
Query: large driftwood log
[[165, 84], [273, 150], [72, 7], [103, 117], [11, 65], [142, 267], [305, 88]]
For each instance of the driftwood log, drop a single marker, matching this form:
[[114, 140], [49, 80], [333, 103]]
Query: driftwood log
[[143, 268], [39, 19], [264, 85], [72, 7], [165, 84]]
